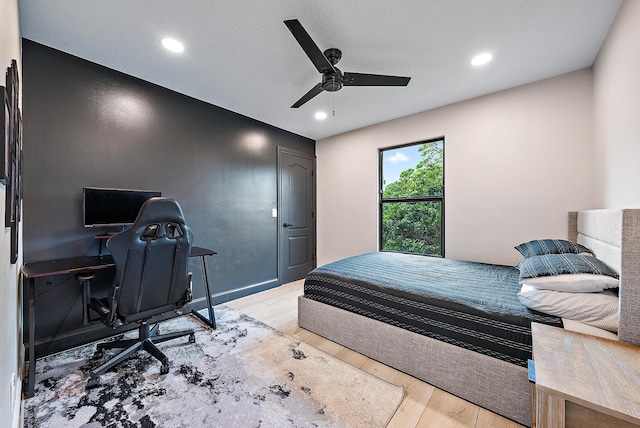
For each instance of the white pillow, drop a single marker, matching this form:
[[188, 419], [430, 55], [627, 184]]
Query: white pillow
[[595, 309], [574, 283]]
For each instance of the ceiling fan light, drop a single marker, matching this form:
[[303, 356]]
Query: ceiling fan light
[[481, 59], [172, 44], [320, 115]]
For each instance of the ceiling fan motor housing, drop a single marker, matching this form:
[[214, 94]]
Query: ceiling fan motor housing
[[332, 82]]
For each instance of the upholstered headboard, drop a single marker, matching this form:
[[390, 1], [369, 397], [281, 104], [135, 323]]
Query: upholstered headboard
[[614, 236]]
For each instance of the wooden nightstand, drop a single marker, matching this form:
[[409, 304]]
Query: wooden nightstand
[[584, 381]]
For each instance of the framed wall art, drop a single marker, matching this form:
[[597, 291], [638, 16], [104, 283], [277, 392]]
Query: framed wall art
[[6, 136], [12, 156]]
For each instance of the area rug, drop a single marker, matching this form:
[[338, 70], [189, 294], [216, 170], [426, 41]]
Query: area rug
[[243, 374]]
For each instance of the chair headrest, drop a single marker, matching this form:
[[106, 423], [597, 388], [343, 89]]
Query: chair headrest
[[160, 210]]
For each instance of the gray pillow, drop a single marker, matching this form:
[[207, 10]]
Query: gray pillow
[[559, 264], [539, 247]]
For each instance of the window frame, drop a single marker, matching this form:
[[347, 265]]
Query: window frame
[[411, 199]]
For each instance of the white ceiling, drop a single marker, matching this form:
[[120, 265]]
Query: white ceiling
[[239, 54]]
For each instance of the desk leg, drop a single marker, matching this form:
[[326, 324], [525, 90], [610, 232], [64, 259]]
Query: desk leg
[[32, 338], [211, 320], [86, 292]]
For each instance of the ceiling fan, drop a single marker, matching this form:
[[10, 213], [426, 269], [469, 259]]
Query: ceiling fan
[[332, 78]]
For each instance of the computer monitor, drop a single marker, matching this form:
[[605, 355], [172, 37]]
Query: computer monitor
[[113, 207]]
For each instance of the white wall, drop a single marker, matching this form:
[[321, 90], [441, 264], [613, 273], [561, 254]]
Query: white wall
[[616, 75], [516, 162], [9, 409]]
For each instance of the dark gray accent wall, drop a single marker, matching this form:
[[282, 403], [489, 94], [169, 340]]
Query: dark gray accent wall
[[88, 125]]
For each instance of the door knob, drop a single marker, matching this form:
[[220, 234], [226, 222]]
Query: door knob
[[286, 225]]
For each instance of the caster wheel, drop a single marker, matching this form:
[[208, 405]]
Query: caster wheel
[[164, 369], [192, 338], [93, 382]]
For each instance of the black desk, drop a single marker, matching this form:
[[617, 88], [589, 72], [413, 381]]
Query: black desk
[[34, 270]]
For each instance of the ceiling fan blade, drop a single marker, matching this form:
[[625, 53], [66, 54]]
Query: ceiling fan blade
[[309, 47], [312, 93], [363, 79]]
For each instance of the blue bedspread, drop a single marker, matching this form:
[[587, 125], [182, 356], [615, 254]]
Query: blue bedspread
[[468, 304]]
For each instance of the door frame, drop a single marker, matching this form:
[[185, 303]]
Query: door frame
[[285, 150]]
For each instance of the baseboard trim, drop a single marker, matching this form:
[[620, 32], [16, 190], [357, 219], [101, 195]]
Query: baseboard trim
[[236, 293], [17, 420]]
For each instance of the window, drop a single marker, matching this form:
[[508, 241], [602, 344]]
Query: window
[[412, 198]]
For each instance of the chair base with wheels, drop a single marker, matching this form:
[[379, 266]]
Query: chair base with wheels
[[147, 340]]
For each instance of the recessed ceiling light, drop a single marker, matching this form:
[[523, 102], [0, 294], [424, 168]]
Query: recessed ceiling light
[[172, 45], [321, 115], [481, 59]]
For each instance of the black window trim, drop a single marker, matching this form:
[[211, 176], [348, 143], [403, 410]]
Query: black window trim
[[412, 199]]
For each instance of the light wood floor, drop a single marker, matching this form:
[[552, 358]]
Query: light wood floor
[[423, 404]]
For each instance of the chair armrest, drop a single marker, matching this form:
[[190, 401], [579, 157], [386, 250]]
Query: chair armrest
[[189, 296], [113, 306]]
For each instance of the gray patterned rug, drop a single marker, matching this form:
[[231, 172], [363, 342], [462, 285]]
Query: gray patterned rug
[[244, 374]]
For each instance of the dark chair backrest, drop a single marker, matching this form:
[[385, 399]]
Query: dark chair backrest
[[152, 259]]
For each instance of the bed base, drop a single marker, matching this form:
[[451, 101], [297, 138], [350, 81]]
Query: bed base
[[501, 387], [496, 385]]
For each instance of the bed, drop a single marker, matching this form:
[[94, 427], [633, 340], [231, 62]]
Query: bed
[[461, 339]]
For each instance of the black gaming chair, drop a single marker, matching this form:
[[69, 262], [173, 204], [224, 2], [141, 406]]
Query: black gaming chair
[[151, 278]]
